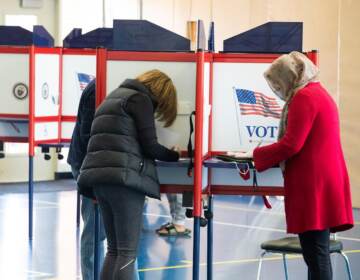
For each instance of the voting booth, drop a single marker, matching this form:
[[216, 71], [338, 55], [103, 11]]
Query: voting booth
[[181, 65], [234, 108], [245, 113], [182, 68]]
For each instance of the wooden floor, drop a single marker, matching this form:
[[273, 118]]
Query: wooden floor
[[241, 224]]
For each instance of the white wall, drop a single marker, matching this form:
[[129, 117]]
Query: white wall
[[85, 14], [15, 168], [349, 96], [121, 9]]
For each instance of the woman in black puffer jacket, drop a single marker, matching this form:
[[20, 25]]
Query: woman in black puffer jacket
[[120, 166]]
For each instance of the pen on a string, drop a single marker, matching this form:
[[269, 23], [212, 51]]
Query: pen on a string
[[258, 145]]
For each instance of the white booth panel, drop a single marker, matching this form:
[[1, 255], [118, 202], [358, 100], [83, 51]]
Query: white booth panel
[[207, 108], [47, 69], [14, 71], [73, 82], [46, 131], [232, 128], [67, 129], [183, 75]]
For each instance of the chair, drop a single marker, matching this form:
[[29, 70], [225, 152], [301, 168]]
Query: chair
[[291, 245]]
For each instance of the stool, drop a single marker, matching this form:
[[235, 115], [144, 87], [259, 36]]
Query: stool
[[291, 245]]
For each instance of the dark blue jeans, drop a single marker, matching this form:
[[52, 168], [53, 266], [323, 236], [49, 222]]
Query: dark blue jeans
[[87, 236], [316, 252], [122, 212]]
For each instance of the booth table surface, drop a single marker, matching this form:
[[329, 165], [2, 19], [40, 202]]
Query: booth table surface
[[210, 163], [216, 163]]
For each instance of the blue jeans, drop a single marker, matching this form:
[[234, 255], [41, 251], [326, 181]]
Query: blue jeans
[[87, 235], [177, 211], [87, 238]]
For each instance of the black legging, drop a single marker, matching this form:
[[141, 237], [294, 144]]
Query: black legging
[[121, 209], [315, 247]]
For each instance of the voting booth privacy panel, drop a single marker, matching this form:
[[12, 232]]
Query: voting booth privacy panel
[[41, 89], [31, 92], [78, 69], [245, 113], [186, 71]]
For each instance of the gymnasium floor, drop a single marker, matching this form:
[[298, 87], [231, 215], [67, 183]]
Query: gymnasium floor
[[241, 224]]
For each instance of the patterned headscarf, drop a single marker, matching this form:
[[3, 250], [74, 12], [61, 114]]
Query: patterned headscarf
[[286, 75]]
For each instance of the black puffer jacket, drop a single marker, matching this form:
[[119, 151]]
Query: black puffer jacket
[[115, 155]]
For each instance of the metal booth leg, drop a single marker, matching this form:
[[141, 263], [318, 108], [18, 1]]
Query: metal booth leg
[[196, 249], [31, 195], [210, 237]]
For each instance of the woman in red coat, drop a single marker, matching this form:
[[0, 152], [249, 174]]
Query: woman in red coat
[[317, 190]]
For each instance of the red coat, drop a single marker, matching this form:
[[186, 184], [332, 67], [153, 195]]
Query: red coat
[[317, 189]]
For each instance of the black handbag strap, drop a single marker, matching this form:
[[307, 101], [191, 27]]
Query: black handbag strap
[[190, 150]]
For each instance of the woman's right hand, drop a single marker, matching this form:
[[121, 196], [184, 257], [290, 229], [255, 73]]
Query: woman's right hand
[[177, 149]]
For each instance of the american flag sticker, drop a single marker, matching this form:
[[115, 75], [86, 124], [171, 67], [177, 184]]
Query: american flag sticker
[[257, 116], [84, 80], [256, 103]]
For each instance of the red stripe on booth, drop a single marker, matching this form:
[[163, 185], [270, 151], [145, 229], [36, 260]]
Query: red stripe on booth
[[151, 56], [14, 116], [79, 51]]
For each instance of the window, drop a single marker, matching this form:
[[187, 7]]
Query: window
[[25, 21]]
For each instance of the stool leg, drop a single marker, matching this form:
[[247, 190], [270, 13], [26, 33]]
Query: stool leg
[[260, 263], [347, 262], [285, 267]]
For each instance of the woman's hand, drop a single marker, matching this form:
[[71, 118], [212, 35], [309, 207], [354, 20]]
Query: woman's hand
[[248, 154], [177, 149]]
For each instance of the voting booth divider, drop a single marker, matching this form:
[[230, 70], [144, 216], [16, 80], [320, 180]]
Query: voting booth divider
[[78, 69], [187, 72], [30, 107], [41, 89]]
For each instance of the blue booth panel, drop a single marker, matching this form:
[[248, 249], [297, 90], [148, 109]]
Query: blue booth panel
[[271, 37], [18, 36]]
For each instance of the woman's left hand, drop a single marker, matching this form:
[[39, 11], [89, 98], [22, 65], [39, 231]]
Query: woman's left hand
[[177, 149], [248, 154]]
